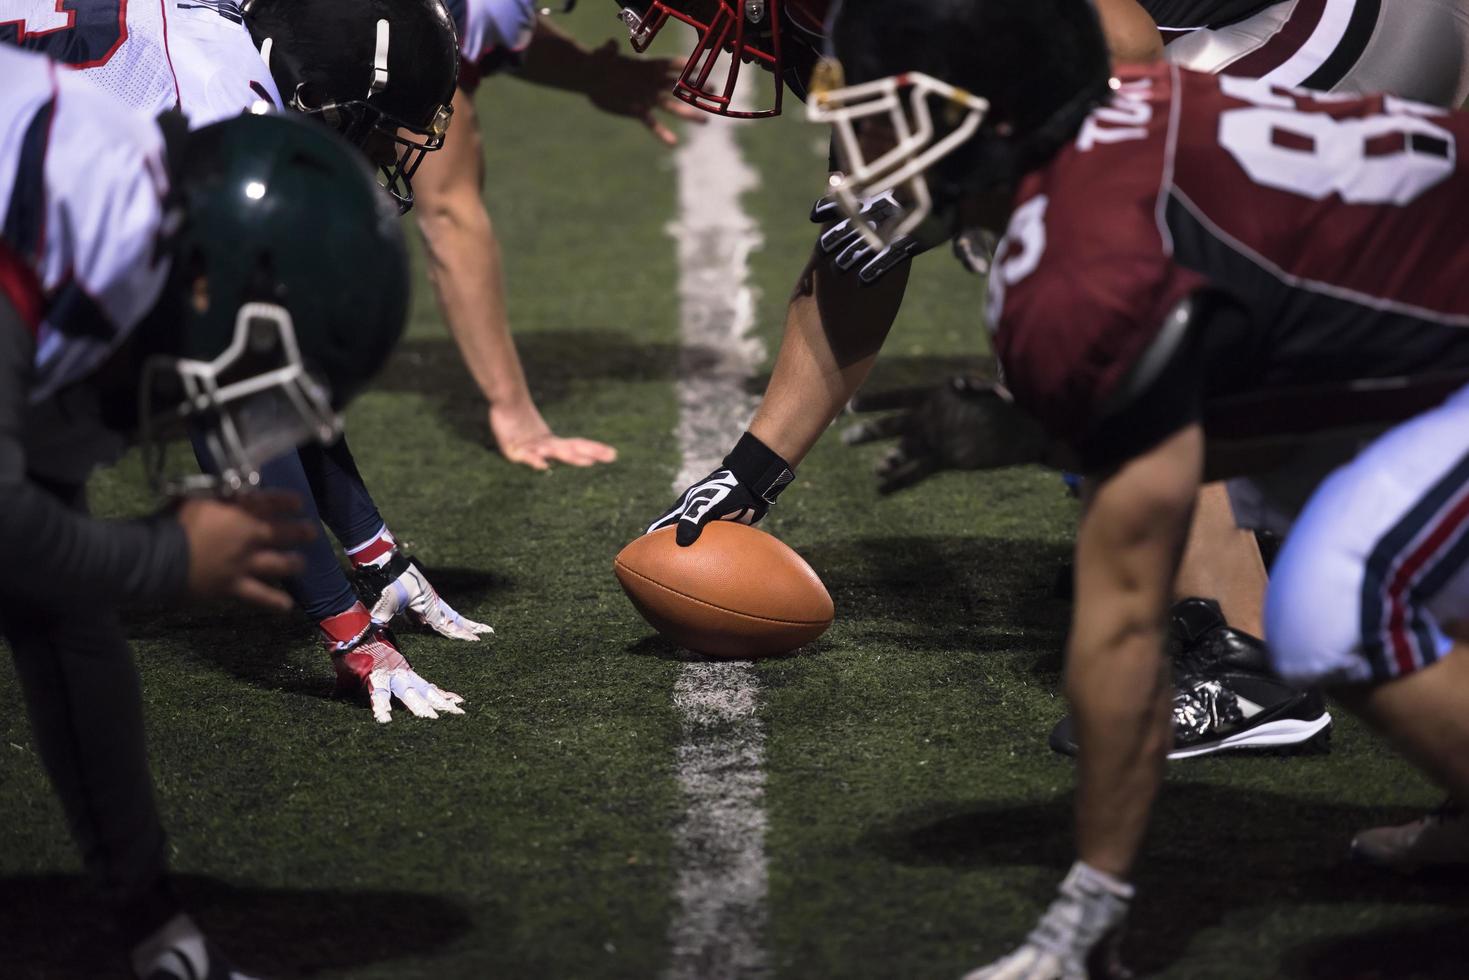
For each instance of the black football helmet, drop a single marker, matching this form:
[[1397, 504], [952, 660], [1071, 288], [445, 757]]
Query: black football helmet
[[288, 290], [784, 37], [975, 93], [380, 72]]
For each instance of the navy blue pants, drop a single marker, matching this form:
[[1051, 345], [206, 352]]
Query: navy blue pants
[[332, 493]]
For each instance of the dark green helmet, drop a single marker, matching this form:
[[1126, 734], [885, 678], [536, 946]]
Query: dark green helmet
[[288, 292]]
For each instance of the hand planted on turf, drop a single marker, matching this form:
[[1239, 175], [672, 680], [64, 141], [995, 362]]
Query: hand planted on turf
[[401, 587], [523, 437], [237, 546], [367, 659], [742, 490], [844, 245], [635, 87], [1076, 938], [374, 665], [965, 424]]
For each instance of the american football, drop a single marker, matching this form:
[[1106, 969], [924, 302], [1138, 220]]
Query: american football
[[344, 343], [737, 592]]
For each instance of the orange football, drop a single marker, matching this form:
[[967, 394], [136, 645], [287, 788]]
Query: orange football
[[736, 592]]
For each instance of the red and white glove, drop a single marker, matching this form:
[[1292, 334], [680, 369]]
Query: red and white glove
[[366, 658]]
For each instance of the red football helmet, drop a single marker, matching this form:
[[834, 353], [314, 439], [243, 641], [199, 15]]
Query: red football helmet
[[782, 36]]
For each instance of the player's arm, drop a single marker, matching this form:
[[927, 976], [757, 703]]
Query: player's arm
[[834, 328], [1128, 547], [50, 550], [616, 83], [1132, 36], [465, 269]]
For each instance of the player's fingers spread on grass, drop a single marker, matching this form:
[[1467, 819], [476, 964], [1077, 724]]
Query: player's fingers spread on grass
[[581, 452], [597, 452], [528, 456], [414, 701], [445, 701], [380, 696], [447, 622]]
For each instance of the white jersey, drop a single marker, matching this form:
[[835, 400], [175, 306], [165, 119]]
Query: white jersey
[[82, 186], [155, 55], [493, 34]]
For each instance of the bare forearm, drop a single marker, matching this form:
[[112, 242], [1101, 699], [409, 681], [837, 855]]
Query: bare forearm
[[834, 330], [1127, 553], [1121, 698], [465, 269]]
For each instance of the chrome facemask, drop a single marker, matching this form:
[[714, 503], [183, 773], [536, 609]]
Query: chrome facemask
[[905, 102], [251, 404]]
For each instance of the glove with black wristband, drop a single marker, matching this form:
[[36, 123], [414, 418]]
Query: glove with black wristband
[[844, 244], [741, 490]]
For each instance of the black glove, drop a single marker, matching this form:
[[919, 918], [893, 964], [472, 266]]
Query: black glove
[[966, 424], [975, 249], [844, 244], [741, 490]]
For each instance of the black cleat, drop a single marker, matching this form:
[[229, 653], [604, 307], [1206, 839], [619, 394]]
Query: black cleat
[[1226, 697]]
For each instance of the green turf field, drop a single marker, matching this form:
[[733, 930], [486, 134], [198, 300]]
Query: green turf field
[[917, 821]]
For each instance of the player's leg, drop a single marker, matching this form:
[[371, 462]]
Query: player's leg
[[1222, 562], [322, 590], [345, 505], [389, 581], [85, 706], [1374, 572], [1426, 716]]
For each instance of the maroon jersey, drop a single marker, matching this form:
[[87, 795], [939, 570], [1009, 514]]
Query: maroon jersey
[[1328, 228]]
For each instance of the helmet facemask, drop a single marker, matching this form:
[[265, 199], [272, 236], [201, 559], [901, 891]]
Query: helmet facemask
[[395, 147], [905, 103], [253, 403], [737, 32]]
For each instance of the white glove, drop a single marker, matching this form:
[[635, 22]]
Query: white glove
[[423, 699], [411, 592], [1083, 918], [366, 658]]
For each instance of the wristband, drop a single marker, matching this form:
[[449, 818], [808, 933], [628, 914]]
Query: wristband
[[759, 468]]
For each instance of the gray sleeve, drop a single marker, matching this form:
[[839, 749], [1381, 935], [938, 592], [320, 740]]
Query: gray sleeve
[[50, 551]]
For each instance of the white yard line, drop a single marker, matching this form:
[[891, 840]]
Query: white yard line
[[718, 929]]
